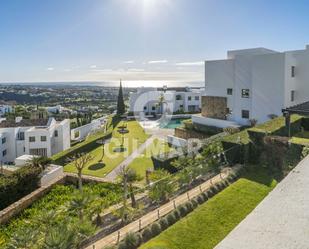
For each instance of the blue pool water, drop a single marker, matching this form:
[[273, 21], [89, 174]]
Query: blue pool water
[[172, 124]]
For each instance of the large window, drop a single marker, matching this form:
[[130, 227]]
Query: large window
[[21, 135], [43, 139], [189, 98], [4, 153], [56, 133], [31, 139], [3, 140], [178, 97], [229, 91], [197, 97], [245, 93], [245, 114], [292, 95]]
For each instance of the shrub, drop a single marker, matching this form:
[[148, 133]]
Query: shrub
[[163, 223], [15, 186], [131, 241], [177, 214], [147, 234], [214, 189], [155, 229], [182, 210], [205, 196], [171, 219], [189, 206], [210, 193], [194, 203], [200, 199], [231, 130], [122, 245]]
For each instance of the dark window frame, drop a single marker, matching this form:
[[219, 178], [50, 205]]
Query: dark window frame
[[31, 139], [229, 91], [245, 114], [43, 138], [245, 93]]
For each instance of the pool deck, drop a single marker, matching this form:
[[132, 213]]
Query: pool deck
[[281, 220]]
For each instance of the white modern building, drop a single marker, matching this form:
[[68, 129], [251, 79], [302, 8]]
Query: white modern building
[[5, 109], [33, 137], [83, 131], [253, 84], [151, 101]]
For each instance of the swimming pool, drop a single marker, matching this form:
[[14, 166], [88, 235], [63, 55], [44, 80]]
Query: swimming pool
[[172, 124]]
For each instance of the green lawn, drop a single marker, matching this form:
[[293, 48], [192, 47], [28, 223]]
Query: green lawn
[[209, 224], [112, 158], [301, 138], [144, 162]]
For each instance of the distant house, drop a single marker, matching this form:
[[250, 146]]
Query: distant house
[[43, 137], [253, 84], [5, 109], [152, 101]]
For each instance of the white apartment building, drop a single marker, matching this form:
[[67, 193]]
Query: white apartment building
[[147, 101], [33, 137], [5, 109], [253, 84]]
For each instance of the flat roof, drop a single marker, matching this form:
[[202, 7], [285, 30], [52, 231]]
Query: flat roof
[[281, 220]]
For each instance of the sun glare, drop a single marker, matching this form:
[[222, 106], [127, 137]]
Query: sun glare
[[150, 7]]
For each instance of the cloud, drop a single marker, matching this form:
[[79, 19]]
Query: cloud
[[50, 69], [157, 62], [136, 70], [93, 66], [189, 64], [128, 62]]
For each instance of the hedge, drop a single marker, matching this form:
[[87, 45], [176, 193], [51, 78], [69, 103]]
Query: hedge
[[17, 185]]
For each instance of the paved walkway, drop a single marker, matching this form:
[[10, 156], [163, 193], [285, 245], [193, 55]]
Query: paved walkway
[[152, 216], [281, 220], [111, 176]]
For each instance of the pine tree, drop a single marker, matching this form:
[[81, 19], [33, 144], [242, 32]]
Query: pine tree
[[120, 103]]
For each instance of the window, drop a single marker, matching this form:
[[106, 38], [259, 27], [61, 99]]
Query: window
[[197, 97], [56, 133], [189, 98], [245, 114], [245, 93], [31, 139], [180, 106], [4, 153], [292, 71], [229, 91], [3, 140], [145, 108], [21, 135], [43, 139], [153, 108], [292, 95], [178, 97]]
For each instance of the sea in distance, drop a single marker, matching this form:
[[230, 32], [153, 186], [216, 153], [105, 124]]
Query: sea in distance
[[130, 84]]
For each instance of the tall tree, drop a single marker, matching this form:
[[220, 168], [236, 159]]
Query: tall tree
[[120, 103]]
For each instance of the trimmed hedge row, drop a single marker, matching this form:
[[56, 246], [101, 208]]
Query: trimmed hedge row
[[181, 211], [17, 185]]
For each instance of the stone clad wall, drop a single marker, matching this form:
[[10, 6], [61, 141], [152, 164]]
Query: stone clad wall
[[214, 107]]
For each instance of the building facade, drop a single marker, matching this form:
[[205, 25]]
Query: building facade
[[5, 109], [253, 84], [152, 101], [33, 137]]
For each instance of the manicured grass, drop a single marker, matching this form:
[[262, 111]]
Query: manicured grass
[[239, 137], [301, 138], [144, 162], [112, 158], [275, 124], [211, 222]]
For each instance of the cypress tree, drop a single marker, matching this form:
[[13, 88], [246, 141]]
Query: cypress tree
[[120, 103]]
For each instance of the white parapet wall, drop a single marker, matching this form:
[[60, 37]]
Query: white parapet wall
[[198, 119], [176, 141], [50, 174]]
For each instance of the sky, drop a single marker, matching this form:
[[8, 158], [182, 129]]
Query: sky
[[105, 40]]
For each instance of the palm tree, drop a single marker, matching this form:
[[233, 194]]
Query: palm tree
[[25, 238], [161, 102], [59, 237], [80, 161], [162, 186], [39, 162], [79, 204]]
